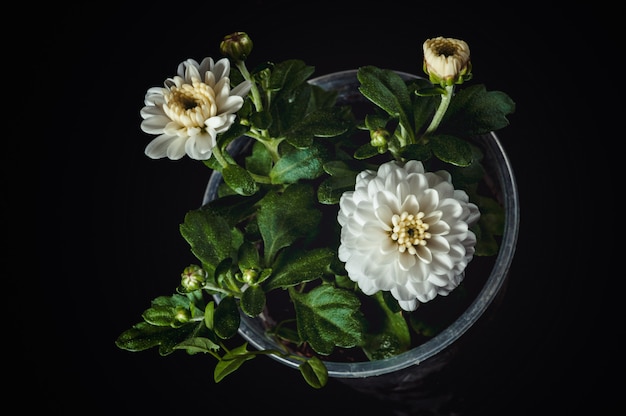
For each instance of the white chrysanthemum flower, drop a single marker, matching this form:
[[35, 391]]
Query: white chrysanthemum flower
[[192, 109], [447, 60], [406, 231]]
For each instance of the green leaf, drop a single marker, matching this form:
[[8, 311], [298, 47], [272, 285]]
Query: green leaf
[[423, 110], [197, 344], [328, 317], [293, 267], [161, 316], [319, 123], [299, 164], [376, 121], [451, 149], [239, 180], [288, 75], [365, 152], [292, 98], [226, 318], [164, 310], [248, 256], [231, 361], [287, 217], [233, 208], [387, 89], [253, 301], [209, 237], [143, 336], [331, 189], [421, 152], [391, 336], [260, 160], [474, 110], [314, 372]]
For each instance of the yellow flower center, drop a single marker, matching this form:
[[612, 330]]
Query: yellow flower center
[[190, 104], [409, 231]]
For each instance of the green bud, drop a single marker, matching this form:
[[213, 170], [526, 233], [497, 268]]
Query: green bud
[[193, 277], [236, 46], [182, 315], [249, 276], [380, 139]]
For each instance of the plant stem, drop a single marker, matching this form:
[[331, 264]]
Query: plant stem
[[441, 110], [217, 152], [256, 97]]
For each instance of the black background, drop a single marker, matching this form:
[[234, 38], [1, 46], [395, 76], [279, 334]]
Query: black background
[[115, 235]]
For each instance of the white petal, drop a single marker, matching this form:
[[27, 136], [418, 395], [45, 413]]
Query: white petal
[[157, 148], [155, 125]]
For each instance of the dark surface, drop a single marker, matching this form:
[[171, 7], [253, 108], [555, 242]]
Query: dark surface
[[119, 213]]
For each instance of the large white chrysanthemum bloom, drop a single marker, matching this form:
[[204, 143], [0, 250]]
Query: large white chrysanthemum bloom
[[192, 109], [406, 231]]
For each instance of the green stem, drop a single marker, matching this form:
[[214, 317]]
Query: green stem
[[256, 96], [441, 110], [217, 152]]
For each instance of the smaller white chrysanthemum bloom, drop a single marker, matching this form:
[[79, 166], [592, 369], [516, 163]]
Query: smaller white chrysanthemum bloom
[[192, 109], [447, 60], [406, 231]]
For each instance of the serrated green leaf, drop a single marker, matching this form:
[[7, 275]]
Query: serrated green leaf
[[299, 164], [233, 208], [451, 149], [287, 217], [288, 75], [388, 90], [318, 123], [209, 236], [296, 266], [314, 372], [474, 110], [328, 317]]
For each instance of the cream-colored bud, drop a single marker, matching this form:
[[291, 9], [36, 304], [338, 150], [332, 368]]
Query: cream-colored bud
[[447, 61]]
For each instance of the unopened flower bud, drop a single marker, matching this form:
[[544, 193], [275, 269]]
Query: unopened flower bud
[[193, 277], [249, 276], [237, 46], [447, 61], [380, 139], [182, 315]]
